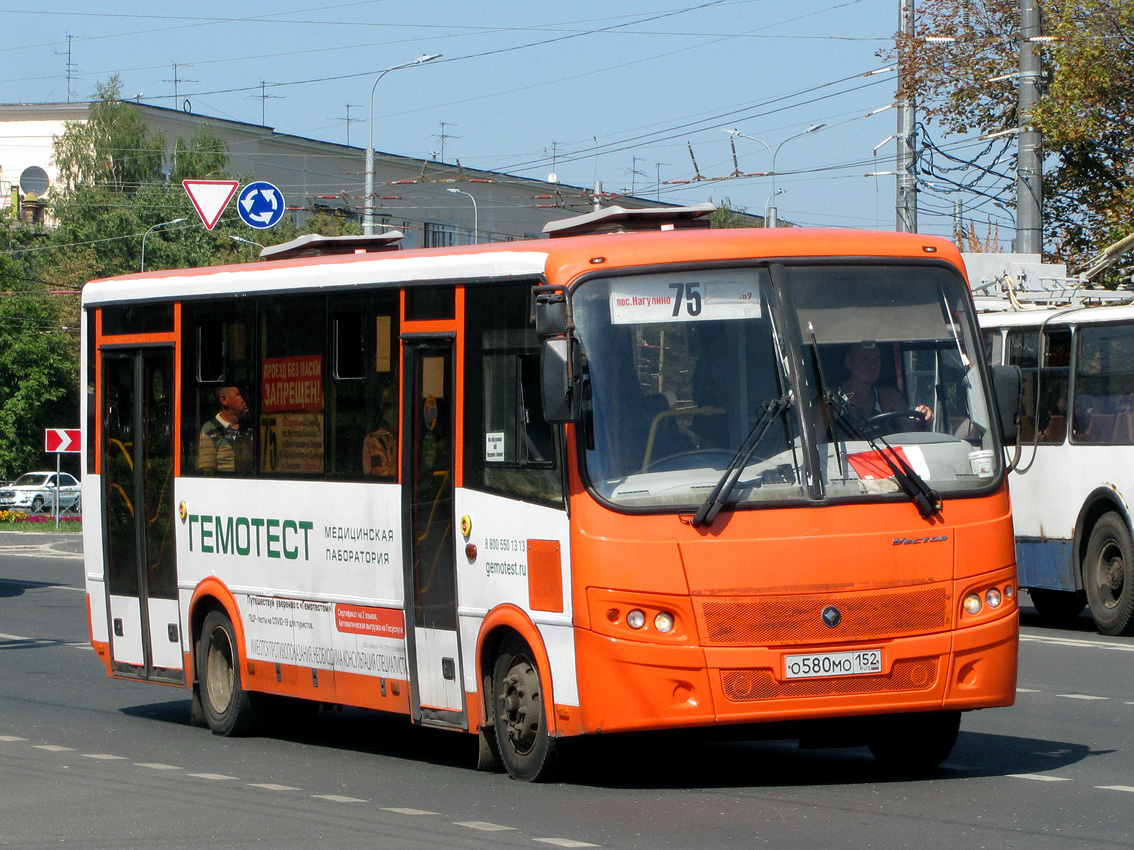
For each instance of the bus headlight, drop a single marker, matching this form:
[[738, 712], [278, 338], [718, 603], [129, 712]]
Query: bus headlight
[[663, 622], [993, 598], [972, 604], [636, 619]]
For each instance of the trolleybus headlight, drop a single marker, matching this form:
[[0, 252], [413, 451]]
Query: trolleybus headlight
[[636, 619], [663, 622], [972, 603], [993, 598], [1009, 592]]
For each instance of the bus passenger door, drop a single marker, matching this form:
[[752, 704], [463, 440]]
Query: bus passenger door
[[137, 475], [431, 586]]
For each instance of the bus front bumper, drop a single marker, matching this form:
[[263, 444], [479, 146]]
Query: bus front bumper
[[628, 685]]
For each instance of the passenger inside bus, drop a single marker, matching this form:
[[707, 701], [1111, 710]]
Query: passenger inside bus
[[225, 442], [380, 447], [866, 399]]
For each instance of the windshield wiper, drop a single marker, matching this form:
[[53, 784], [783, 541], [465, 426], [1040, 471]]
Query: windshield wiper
[[830, 401], [925, 498], [727, 483]]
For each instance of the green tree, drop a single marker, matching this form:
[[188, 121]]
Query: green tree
[[966, 86], [38, 350]]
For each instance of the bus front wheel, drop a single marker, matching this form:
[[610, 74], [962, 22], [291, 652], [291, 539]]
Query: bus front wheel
[[1108, 576], [526, 749], [227, 707], [914, 743]]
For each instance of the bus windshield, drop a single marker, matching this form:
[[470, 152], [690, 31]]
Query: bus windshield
[[801, 382]]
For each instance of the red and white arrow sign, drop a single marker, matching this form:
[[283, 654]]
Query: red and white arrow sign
[[62, 440], [210, 197]]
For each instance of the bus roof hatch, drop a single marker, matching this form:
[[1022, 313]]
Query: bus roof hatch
[[622, 220], [316, 245]]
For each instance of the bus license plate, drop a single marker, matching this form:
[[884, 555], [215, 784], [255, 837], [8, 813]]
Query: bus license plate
[[853, 663]]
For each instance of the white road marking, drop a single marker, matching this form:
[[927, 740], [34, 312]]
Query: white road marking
[[1078, 642], [1028, 691], [103, 757], [54, 748], [338, 798], [408, 811], [11, 738], [1127, 788], [216, 776], [564, 842], [157, 765], [1080, 696], [1039, 777], [271, 786], [484, 826]]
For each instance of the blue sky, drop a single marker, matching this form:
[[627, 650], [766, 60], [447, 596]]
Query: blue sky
[[617, 92]]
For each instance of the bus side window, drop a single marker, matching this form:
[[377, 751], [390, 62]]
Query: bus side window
[[1104, 385], [362, 394], [1045, 389], [510, 448], [219, 389]]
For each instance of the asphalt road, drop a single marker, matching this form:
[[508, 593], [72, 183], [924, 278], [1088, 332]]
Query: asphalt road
[[89, 762]]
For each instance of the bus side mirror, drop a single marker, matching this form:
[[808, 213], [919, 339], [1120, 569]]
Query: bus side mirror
[[561, 366], [1006, 383], [551, 313]]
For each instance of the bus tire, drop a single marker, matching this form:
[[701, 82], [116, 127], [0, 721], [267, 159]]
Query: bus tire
[[914, 743], [526, 749], [228, 708], [1108, 576], [1058, 607]]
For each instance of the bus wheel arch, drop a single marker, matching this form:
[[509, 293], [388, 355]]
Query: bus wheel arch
[[1105, 550], [218, 652], [518, 730]]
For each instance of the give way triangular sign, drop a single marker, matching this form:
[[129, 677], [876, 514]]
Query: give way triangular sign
[[210, 197]]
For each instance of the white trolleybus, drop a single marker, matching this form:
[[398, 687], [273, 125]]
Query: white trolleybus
[[585, 484], [1072, 489]]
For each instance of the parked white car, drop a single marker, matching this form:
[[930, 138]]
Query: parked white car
[[35, 492]]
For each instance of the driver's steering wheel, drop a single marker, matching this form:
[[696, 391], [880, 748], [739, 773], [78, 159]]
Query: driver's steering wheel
[[879, 418]]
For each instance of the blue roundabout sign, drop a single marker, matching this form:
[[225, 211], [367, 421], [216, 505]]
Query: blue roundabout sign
[[261, 205]]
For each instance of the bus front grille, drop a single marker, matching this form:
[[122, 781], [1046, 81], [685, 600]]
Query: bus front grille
[[910, 674], [798, 619]]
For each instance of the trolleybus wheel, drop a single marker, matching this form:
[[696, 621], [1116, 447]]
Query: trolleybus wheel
[[1057, 606], [527, 751], [1108, 576], [228, 708], [914, 743]]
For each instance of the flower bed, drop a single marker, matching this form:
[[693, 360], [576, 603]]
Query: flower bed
[[13, 519]]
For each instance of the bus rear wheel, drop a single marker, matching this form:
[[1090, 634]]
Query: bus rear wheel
[[1108, 576], [525, 747], [228, 708], [914, 743]]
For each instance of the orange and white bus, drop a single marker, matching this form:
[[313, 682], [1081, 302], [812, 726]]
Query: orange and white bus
[[535, 490]]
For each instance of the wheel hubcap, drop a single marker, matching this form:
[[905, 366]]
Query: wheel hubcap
[[1111, 574], [219, 672], [520, 705]]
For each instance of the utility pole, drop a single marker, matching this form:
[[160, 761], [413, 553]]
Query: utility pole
[[1029, 159], [906, 162]]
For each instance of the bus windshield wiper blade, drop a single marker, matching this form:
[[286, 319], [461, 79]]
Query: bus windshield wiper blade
[[727, 483], [925, 498]]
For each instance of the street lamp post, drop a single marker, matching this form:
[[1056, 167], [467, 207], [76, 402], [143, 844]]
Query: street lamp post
[[155, 227], [476, 215], [770, 216], [368, 215]]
